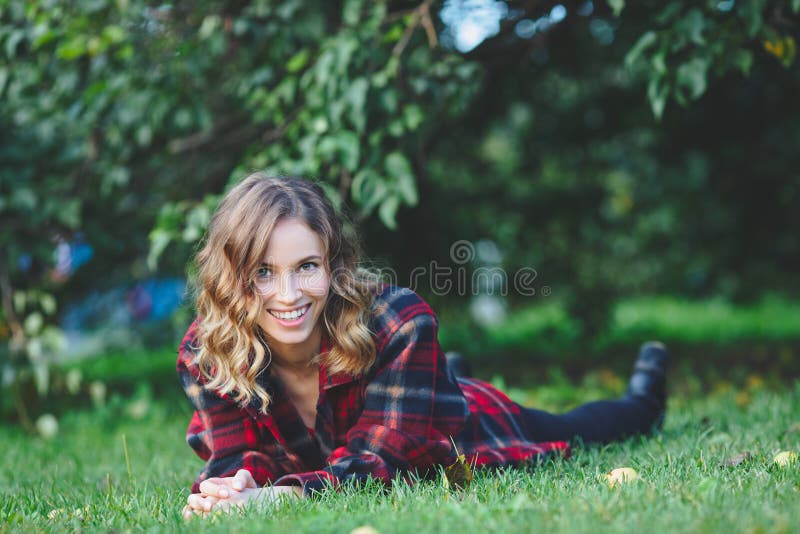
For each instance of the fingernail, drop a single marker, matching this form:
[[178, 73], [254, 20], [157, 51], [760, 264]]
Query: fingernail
[[238, 485]]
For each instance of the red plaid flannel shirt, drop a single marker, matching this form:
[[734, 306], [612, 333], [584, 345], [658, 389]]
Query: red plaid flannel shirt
[[397, 417]]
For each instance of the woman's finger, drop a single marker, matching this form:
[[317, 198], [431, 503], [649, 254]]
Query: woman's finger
[[201, 503], [243, 479], [216, 487], [208, 502], [195, 501]]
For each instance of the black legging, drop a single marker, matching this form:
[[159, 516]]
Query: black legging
[[595, 422]]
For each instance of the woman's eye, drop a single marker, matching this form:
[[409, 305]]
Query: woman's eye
[[264, 272], [308, 266]]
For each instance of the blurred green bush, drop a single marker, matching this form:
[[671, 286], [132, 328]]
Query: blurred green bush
[[121, 123]]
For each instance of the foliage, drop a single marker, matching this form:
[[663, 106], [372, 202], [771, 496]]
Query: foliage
[[84, 482], [112, 109], [569, 173], [121, 119], [694, 42]]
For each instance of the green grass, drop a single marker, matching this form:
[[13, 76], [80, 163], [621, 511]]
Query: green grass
[[84, 476]]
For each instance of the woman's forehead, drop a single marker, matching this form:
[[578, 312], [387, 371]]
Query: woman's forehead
[[292, 241]]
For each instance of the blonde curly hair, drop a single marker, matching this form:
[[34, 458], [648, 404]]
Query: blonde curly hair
[[232, 348]]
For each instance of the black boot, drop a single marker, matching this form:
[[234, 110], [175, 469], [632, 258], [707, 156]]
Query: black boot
[[649, 380], [458, 364]]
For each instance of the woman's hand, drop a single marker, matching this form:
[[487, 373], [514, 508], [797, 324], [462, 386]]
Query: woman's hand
[[236, 491], [222, 488]]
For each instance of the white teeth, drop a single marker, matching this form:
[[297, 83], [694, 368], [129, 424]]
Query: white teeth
[[290, 315]]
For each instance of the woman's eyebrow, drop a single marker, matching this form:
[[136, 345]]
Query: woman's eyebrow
[[299, 262]]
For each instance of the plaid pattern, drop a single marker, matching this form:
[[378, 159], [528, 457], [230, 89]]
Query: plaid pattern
[[397, 417]]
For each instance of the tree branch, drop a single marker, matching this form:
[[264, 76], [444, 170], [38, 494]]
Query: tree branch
[[421, 15]]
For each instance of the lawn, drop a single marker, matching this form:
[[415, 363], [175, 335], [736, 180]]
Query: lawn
[[82, 480]]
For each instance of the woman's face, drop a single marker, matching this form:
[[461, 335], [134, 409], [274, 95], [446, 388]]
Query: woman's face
[[294, 283]]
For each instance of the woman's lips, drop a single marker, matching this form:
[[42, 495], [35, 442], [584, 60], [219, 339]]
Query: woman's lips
[[288, 318]]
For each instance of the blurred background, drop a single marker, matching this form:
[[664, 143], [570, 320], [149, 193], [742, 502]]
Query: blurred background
[[561, 181]]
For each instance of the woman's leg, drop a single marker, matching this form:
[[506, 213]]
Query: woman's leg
[[637, 412], [596, 422]]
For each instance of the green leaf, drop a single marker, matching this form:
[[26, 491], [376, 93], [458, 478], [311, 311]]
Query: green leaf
[[692, 26], [657, 93], [333, 195], [388, 212], [159, 239], [20, 300], [72, 48], [658, 63], [298, 61], [48, 303], [647, 40], [144, 134], [350, 149], [343, 146], [368, 190], [356, 96], [413, 116], [396, 32], [743, 59], [351, 13], [23, 198], [14, 38], [113, 34], [197, 221], [692, 75], [671, 11], [398, 167], [209, 26], [617, 6], [43, 36], [70, 212], [358, 186], [795, 6], [33, 323], [751, 13]]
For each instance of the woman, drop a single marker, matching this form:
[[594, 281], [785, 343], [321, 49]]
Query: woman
[[305, 371]]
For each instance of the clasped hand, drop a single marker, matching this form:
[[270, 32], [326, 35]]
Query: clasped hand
[[225, 493]]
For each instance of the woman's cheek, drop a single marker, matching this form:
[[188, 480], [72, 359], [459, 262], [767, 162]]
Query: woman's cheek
[[319, 285]]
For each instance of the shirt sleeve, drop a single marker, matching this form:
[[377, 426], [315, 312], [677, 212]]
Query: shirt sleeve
[[220, 432], [412, 409]]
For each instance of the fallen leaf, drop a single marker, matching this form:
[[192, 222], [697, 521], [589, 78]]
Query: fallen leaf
[[621, 475], [458, 475], [737, 459], [55, 513], [786, 458]]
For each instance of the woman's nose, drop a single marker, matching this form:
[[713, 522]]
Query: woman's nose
[[288, 288]]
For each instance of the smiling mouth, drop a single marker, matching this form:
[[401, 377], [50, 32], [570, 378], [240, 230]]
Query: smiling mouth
[[292, 315]]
